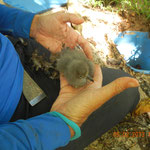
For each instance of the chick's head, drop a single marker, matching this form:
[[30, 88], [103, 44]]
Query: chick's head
[[80, 69]]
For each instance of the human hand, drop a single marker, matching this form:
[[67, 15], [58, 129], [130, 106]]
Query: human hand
[[78, 104], [52, 32]]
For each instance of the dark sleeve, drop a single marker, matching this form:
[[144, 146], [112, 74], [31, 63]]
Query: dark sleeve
[[44, 132], [15, 22]]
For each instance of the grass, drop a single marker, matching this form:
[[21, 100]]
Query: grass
[[139, 6]]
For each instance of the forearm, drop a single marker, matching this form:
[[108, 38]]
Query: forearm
[[15, 22], [42, 132]]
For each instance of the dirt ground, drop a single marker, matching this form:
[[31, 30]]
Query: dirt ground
[[100, 28]]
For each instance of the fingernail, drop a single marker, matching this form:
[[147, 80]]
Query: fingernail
[[134, 83]]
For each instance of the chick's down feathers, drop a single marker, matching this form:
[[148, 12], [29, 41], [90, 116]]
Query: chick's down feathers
[[75, 66]]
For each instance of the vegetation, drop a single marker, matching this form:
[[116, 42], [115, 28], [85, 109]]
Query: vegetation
[[139, 6]]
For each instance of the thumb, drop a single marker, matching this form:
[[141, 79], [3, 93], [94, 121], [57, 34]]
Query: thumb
[[117, 86], [72, 18]]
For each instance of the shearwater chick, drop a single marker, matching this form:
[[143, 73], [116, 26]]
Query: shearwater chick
[[75, 66]]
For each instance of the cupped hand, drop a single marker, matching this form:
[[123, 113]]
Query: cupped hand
[[78, 104], [52, 31]]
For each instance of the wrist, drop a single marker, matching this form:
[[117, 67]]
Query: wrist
[[75, 130], [71, 131], [33, 29]]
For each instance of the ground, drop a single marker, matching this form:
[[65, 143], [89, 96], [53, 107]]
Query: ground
[[100, 28]]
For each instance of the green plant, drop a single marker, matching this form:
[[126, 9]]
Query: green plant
[[139, 6]]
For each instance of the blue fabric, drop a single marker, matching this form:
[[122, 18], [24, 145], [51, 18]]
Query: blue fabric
[[135, 46], [35, 6], [44, 132], [11, 79], [15, 22]]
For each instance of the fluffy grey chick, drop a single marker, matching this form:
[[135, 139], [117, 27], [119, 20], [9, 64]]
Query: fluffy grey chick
[[75, 66]]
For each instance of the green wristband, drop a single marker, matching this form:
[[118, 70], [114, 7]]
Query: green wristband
[[72, 124]]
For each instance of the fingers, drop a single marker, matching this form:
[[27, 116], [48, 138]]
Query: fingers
[[98, 74], [69, 17], [85, 46], [107, 92], [63, 81], [73, 38]]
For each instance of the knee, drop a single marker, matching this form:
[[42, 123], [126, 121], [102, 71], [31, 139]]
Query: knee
[[126, 100], [132, 99]]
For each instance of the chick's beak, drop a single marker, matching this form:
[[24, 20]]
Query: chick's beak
[[89, 78]]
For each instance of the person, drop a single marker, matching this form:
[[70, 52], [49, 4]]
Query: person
[[95, 108]]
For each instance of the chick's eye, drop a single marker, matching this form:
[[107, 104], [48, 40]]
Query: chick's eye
[[80, 77]]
